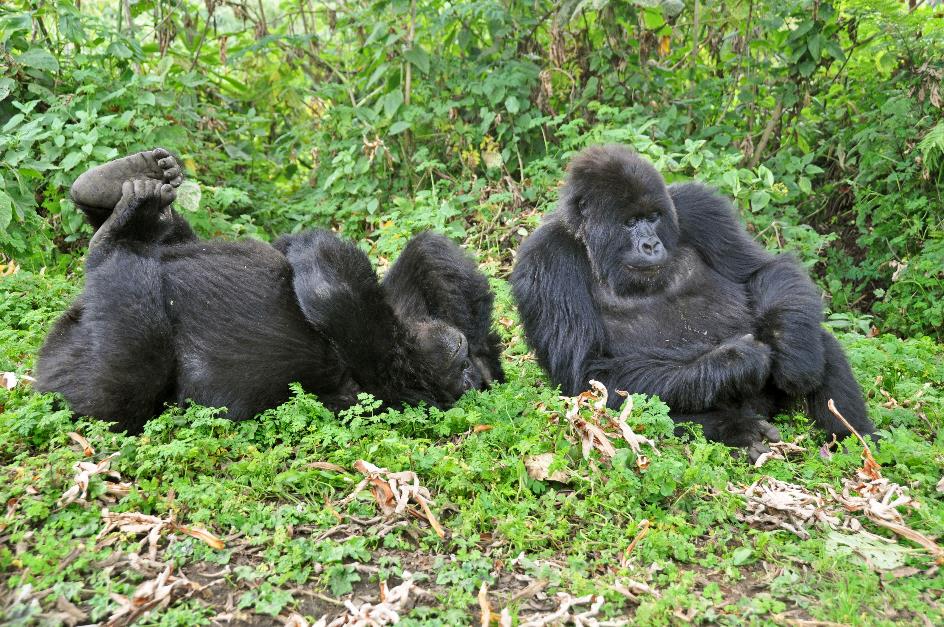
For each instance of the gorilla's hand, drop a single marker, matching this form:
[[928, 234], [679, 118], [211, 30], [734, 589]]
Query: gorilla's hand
[[745, 361]]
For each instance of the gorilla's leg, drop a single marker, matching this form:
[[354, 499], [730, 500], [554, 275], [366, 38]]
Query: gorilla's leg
[[111, 354], [734, 426], [434, 278], [840, 385], [98, 190], [139, 217]]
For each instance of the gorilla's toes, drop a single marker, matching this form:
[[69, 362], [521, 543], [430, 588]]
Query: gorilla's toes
[[755, 450], [170, 170], [768, 431]]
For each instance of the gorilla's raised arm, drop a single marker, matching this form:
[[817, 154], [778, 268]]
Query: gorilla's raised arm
[[340, 296], [551, 282], [434, 278]]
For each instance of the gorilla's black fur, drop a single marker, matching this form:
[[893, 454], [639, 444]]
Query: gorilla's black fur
[[167, 317], [660, 290]]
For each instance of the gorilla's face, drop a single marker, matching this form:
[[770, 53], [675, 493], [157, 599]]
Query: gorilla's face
[[617, 204], [445, 351]]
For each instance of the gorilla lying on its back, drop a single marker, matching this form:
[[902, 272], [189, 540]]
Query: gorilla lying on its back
[[167, 317], [661, 291]]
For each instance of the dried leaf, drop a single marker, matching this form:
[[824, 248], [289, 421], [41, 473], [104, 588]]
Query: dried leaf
[[153, 594], [538, 467], [327, 466], [87, 449], [484, 608], [10, 380], [202, 534], [779, 450], [869, 466], [385, 612], [393, 491]]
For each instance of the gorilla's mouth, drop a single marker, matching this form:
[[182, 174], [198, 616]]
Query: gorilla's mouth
[[652, 268]]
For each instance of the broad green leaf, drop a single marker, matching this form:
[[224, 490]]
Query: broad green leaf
[[39, 58], [419, 58], [815, 46], [759, 200], [392, 102], [653, 18], [6, 209], [71, 160], [188, 195], [6, 86], [398, 127], [512, 105]]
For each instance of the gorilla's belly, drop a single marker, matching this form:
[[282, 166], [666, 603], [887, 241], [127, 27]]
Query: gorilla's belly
[[707, 310]]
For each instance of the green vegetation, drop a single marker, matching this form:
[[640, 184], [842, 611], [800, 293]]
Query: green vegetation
[[822, 119]]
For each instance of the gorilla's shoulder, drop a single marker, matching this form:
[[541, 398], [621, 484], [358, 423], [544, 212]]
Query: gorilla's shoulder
[[233, 251]]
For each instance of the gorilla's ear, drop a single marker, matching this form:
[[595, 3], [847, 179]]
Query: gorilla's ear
[[574, 206]]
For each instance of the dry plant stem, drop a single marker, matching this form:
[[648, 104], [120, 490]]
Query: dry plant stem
[[640, 534], [484, 608], [871, 467]]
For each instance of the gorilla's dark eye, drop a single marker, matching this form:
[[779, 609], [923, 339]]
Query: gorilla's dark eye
[[632, 221], [654, 216], [466, 364]]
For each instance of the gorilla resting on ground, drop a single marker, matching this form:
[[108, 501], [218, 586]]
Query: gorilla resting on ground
[[661, 291], [167, 317]]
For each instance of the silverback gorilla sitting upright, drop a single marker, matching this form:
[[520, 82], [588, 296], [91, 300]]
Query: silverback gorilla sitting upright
[[661, 291], [167, 317]]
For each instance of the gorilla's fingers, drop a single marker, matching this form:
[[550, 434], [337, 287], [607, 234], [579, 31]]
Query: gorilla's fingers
[[166, 162], [161, 153], [770, 432], [168, 194]]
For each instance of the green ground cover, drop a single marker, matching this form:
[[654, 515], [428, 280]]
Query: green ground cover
[[380, 119]]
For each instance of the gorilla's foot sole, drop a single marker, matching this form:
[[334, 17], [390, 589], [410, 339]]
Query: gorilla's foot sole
[[101, 187]]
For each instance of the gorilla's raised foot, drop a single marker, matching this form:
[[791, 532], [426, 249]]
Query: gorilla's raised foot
[[99, 189], [138, 213]]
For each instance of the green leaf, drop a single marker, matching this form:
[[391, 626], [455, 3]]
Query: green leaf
[[759, 200], [653, 18], [512, 105], [6, 210], [118, 49], [398, 127], [815, 46], [6, 86], [742, 556], [71, 160], [805, 186], [40, 59], [419, 58], [392, 102]]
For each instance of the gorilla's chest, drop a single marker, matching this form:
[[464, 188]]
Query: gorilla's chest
[[704, 308]]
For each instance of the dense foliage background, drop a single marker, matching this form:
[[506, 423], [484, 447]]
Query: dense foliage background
[[823, 120]]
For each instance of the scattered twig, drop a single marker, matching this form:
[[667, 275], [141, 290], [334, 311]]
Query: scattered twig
[[137, 523], [393, 491]]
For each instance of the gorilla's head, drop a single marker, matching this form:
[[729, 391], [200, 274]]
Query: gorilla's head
[[445, 352], [616, 203]]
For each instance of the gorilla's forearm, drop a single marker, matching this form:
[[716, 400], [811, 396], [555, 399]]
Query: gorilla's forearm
[[788, 310], [692, 382]]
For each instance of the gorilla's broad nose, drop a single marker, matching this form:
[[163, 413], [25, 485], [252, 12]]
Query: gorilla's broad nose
[[651, 246]]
